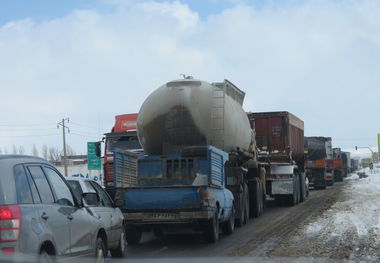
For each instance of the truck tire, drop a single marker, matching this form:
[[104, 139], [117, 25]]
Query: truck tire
[[229, 226], [324, 185], [298, 193], [302, 188], [240, 219], [251, 201], [293, 198], [257, 200], [211, 231], [246, 205], [133, 235]]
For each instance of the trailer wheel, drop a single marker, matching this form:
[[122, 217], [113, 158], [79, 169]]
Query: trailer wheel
[[251, 200], [246, 205], [211, 231], [292, 198], [240, 219], [256, 200], [133, 235], [229, 226], [302, 188], [298, 196]]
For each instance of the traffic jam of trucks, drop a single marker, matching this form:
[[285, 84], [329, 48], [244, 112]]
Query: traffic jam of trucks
[[193, 158]]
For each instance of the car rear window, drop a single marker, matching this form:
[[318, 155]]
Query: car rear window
[[23, 193], [42, 184]]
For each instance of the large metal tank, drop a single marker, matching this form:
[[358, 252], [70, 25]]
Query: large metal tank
[[191, 112]]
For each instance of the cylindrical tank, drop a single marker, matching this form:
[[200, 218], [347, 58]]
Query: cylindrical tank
[[191, 112]]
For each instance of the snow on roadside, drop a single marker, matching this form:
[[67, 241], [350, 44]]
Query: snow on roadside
[[353, 222]]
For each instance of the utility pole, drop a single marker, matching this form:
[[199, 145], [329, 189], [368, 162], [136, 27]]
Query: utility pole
[[62, 123]]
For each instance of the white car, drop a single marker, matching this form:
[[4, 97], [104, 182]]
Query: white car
[[106, 211]]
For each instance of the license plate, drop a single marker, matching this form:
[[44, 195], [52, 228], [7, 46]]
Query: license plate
[[163, 215]]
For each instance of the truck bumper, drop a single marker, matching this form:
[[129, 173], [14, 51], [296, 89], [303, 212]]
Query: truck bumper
[[152, 218], [282, 186]]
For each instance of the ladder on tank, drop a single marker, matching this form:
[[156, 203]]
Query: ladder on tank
[[217, 116]]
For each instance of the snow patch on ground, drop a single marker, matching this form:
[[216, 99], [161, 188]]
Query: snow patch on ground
[[353, 221]]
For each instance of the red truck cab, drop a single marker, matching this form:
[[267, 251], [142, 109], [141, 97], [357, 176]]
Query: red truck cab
[[122, 136]]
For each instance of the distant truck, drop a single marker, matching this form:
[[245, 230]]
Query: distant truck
[[122, 136], [338, 165], [319, 152], [280, 143], [346, 163], [354, 165]]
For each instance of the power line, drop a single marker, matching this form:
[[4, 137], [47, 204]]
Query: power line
[[86, 132], [83, 135], [87, 126], [35, 135], [22, 129], [26, 125]]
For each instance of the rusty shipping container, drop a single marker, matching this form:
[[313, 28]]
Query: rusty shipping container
[[279, 136]]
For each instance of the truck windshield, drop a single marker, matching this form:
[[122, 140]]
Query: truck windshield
[[167, 172], [124, 143]]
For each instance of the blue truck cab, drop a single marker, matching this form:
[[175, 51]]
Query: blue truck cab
[[171, 192]]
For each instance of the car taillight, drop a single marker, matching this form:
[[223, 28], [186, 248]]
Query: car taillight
[[10, 223]]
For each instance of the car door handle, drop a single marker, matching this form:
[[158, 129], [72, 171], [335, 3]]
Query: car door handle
[[44, 216], [70, 217]]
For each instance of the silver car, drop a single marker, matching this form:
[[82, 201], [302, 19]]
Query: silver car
[[106, 211], [40, 219]]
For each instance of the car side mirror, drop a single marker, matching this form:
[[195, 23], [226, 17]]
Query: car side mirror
[[90, 199], [120, 203]]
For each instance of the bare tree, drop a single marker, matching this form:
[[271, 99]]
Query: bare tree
[[69, 150], [45, 151], [54, 154], [21, 149], [34, 150], [1, 150], [5, 150], [14, 149]]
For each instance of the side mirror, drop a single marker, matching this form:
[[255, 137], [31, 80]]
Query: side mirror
[[120, 203], [98, 151], [90, 199]]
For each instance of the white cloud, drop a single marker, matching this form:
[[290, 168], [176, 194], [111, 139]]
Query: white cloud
[[317, 59]]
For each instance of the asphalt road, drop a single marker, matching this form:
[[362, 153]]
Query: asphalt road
[[255, 239]]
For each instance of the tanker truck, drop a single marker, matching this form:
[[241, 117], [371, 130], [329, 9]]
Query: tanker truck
[[200, 168]]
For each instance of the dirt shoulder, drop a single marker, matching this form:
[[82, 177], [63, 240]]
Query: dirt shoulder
[[269, 239], [347, 227]]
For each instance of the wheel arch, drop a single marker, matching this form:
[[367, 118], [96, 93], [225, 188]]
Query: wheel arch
[[49, 247]]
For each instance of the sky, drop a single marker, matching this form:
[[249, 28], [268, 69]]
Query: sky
[[91, 60]]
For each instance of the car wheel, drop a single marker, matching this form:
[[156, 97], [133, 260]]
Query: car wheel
[[121, 250], [100, 250], [229, 226], [46, 258], [211, 231]]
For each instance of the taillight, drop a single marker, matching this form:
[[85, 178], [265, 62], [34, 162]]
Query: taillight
[[10, 223]]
